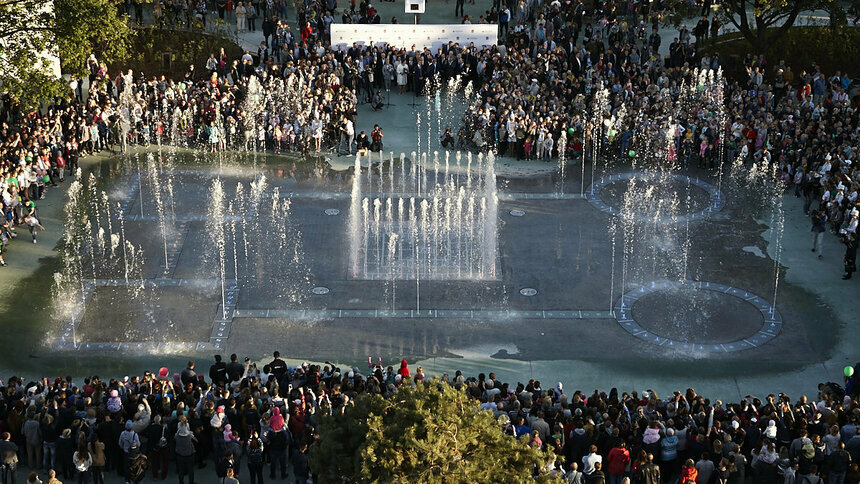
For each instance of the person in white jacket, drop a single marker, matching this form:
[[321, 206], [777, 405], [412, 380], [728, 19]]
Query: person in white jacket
[[83, 461]]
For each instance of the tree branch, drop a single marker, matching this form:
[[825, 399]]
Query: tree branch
[[9, 33], [781, 30]]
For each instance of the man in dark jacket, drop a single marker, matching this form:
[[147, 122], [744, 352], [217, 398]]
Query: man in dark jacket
[[218, 372], [156, 448], [819, 226], [278, 366], [300, 465], [278, 441], [850, 258], [838, 462], [650, 472], [597, 476], [8, 457], [226, 463], [235, 370], [188, 375]]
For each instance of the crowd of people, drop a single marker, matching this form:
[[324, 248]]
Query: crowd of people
[[258, 422], [544, 93], [36, 154], [609, 86], [557, 77]]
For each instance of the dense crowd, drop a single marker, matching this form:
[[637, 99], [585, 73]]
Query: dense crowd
[[254, 421], [37, 154], [557, 77]]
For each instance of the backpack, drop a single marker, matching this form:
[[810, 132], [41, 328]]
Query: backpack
[[808, 450], [137, 468], [255, 456]]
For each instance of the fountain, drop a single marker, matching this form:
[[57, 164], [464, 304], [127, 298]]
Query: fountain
[[438, 241], [217, 242]]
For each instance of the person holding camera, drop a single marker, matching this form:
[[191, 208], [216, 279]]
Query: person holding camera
[[447, 138], [376, 136], [347, 133]]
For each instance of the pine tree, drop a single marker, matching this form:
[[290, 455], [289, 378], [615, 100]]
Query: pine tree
[[425, 433]]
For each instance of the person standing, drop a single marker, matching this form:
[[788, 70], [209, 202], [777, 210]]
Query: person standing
[[278, 441], [669, 452], [97, 450], [32, 436], [300, 465], [618, 459], [128, 439], [704, 469], [387, 74], [241, 18], [218, 372], [819, 226], [8, 458], [590, 460], [402, 76], [254, 449], [458, 8], [850, 258], [251, 15], [347, 134], [650, 472], [83, 464], [838, 462], [137, 464], [65, 453], [597, 476], [157, 443], [317, 130], [184, 441]]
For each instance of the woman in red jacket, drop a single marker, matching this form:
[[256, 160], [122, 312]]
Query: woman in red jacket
[[404, 370], [307, 32], [689, 474]]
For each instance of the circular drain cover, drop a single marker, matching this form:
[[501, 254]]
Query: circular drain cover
[[332, 211], [320, 290], [528, 291], [517, 213]]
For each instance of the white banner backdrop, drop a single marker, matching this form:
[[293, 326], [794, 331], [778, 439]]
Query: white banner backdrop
[[405, 35]]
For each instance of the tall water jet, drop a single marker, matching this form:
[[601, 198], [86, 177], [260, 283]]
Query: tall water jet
[[435, 239], [215, 230], [155, 183], [354, 218]]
